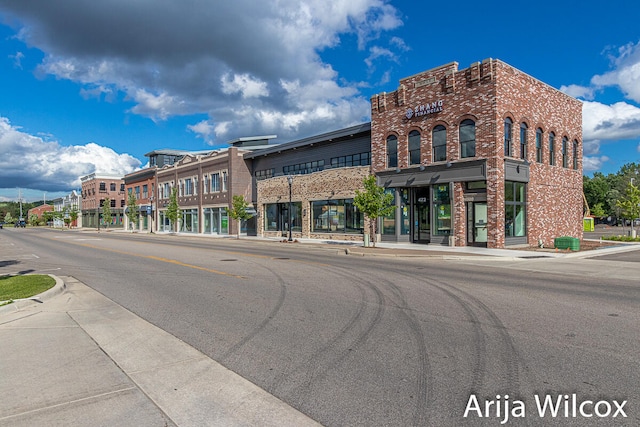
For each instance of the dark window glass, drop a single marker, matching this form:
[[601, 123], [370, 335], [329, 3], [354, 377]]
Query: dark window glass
[[539, 145], [515, 213], [508, 130], [565, 160], [439, 143], [467, 138], [523, 140], [575, 154], [414, 147], [552, 147], [392, 151]]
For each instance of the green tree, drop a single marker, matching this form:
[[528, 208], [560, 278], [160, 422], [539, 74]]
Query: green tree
[[173, 210], [132, 209], [73, 214], [8, 218], [374, 203], [33, 219], [106, 212], [239, 212], [629, 204]]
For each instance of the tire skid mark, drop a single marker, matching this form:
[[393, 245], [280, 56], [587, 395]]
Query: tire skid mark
[[274, 311], [341, 344], [476, 310], [425, 378]]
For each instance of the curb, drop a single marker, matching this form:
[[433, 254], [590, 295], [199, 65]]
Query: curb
[[20, 304]]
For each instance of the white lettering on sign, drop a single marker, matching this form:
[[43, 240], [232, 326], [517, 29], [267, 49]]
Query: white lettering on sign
[[424, 109]]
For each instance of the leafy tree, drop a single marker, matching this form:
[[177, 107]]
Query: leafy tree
[[598, 211], [238, 211], [132, 209], [629, 204], [73, 214], [8, 218], [106, 211], [373, 202], [173, 210], [33, 219]]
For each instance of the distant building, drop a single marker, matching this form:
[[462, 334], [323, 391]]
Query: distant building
[[38, 211], [95, 190]]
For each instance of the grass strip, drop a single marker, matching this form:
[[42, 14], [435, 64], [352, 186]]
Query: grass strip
[[17, 287]]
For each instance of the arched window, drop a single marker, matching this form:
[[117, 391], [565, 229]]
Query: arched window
[[539, 145], [439, 143], [575, 154], [523, 140], [414, 147], [392, 151], [552, 147], [565, 160], [508, 130], [467, 138]]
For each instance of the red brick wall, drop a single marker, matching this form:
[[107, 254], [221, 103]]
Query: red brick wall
[[487, 93]]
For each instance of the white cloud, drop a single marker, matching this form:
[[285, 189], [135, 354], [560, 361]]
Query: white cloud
[[577, 91], [610, 122], [593, 163], [626, 72], [30, 162], [218, 58]]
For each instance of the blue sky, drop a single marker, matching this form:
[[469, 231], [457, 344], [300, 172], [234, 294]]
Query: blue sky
[[92, 86]]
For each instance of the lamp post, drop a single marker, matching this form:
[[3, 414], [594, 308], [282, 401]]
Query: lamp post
[[151, 216], [290, 181]]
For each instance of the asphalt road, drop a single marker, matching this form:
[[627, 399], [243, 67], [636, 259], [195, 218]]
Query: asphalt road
[[374, 341]]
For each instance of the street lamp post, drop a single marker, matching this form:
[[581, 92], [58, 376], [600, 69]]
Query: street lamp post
[[151, 216], [290, 181]]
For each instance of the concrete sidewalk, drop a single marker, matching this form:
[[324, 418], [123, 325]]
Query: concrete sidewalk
[[77, 358]]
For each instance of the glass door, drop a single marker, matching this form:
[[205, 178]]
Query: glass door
[[477, 223], [421, 224]]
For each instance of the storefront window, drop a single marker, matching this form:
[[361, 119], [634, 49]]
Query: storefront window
[[216, 221], [276, 216], [336, 216], [389, 221], [189, 221], [515, 212], [405, 225], [442, 210]]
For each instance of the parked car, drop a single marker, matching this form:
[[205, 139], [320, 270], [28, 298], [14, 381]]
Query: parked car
[[21, 224], [1, 224]]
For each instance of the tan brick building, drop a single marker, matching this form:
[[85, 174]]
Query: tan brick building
[[485, 156]]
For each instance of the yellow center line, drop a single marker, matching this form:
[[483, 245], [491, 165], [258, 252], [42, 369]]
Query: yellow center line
[[167, 260]]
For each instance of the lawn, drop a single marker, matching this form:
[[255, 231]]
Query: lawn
[[17, 287]]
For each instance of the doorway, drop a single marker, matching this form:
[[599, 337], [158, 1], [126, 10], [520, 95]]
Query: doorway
[[421, 214], [477, 233]]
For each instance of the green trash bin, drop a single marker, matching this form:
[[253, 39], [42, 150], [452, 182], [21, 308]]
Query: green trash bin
[[566, 242]]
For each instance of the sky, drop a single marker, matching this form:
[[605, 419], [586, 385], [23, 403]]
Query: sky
[[91, 87]]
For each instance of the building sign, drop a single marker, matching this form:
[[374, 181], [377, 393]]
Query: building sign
[[424, 109]]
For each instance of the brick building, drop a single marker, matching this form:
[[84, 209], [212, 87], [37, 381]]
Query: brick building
[[485, 156], [325, 171], [142, 183], [95, 190], [206, 184]]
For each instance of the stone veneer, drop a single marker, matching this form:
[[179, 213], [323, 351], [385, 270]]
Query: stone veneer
[[487, 93], [339, 183]]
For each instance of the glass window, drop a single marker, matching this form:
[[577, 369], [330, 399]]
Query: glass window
[[508, 130], [552, 145], [103, 186], [414, 147], [565, 160], [515, 209], [339, 216], [392, 151], [442, 210], [215, 182], [467, 138], [539, 145], [112, 186], [439, 143], [224, 180], [188, 187], [523, 140], [575, 154], [389, 221]]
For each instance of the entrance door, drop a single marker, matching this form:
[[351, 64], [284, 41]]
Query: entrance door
[[477, 223], [421, 223]]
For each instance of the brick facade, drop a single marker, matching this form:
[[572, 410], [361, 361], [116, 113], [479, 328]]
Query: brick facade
[[487, 93], [96, 189], [329, 184]]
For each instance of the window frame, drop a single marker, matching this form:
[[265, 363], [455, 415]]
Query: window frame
[[467, 146], [523, 140], [392, 151], [439, 150], [413, 143], [508, 137]]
